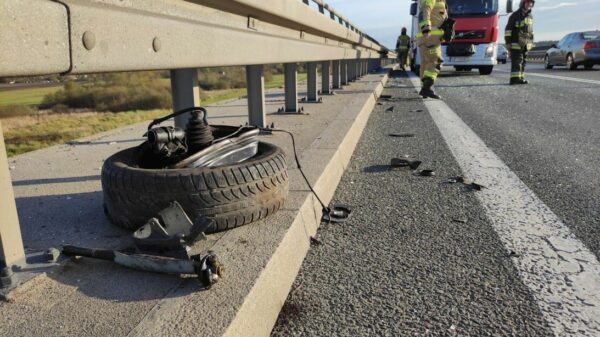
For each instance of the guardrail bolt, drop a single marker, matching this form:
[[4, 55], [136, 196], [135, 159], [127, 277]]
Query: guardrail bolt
[[89, 40], [156, 44], [6, 275]]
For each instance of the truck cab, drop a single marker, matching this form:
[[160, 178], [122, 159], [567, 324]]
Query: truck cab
[[476, 35]]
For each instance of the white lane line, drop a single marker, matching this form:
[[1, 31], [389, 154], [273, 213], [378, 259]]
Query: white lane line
[[561, 273], [572, 79]]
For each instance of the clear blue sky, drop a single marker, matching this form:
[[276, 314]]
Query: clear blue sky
[[383, 19]]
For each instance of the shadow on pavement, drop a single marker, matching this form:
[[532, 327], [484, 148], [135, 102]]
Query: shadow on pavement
[[55, 180]]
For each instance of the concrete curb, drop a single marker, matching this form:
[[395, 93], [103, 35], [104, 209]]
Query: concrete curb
[[262, 305]]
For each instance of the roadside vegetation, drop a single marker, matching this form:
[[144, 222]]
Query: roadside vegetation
[[49, 111]]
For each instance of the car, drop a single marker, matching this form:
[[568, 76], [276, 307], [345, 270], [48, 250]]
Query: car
[[575, 49], [502, 54]]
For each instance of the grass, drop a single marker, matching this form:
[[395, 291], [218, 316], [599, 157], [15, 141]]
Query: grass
[[27, 96], [31, 133], [28, 133]]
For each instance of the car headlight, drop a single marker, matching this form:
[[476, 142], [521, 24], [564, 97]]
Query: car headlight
[[489, 51]]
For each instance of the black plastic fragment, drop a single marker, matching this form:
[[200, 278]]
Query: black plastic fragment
[[315, 242], [336, 213], [400, 162], [427, 173]]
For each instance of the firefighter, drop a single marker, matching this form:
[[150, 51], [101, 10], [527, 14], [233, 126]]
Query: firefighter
[[518, 37], [429, 39], [402, 45]]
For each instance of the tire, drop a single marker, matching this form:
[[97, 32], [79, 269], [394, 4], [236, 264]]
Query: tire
[[233, 195], [570, 63], [486, 70], [458, 68], [588, 66], [547, 64]]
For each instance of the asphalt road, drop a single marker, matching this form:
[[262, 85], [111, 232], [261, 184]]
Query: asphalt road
[[421, 257]]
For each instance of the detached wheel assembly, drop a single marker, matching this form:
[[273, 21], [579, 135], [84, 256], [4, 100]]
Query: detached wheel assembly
[[136, 185]]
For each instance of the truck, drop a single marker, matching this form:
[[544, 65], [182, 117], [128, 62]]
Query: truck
[[476, 35]]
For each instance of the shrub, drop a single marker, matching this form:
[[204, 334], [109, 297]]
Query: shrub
[[113, 92], [7, 111]]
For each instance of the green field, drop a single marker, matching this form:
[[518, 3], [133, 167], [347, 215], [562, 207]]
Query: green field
[[27, 96]]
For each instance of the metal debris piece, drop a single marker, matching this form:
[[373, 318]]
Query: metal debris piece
[[417, 110], [427, 173], [402, 135], [460, 220], [400, 162], [170, 231], [390, 109], [454, 180], [207, 268], [336, 213]]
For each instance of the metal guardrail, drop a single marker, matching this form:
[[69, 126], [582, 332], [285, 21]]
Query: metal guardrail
[[41, 37], [87, 36]]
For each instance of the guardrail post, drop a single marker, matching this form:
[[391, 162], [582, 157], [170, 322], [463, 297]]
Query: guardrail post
[[185, 92], [351, 71], [344, 72], [11, 243], [290, 74], [325, 82], [336, 74], [255, 82], [311, 82]]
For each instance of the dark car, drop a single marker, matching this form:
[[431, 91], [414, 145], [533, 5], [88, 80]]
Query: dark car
[[575, 49]]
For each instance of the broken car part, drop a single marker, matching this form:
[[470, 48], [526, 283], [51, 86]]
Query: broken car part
[[400, 162], [426, 173], [170, 231], [236, 181], [167, 141], [465, 182], [207, 268], [337, 213], [226, 152]]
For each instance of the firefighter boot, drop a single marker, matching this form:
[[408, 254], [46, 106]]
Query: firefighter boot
[[516, 80], [427, 89]]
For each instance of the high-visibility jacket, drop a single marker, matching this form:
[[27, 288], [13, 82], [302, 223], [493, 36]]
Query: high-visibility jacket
[[433, 13], [402, 43], [518, 34]]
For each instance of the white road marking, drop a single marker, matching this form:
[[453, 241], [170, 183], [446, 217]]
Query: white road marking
[[561, 273], [572, 79]]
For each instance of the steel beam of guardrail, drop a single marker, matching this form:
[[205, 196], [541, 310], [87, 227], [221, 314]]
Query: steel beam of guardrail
[[88, 36]]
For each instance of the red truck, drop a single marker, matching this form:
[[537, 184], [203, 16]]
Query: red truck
[[476, 34]]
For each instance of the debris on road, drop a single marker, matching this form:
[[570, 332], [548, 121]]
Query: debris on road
[[401, 135], [467, 183], [315, 242], [385, 96], [207, 268], [337, 213], [426, 173], [460, 220], [390, 109], [400, 162]]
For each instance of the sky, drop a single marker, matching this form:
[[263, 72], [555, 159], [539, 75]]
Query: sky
[[383, 19]]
